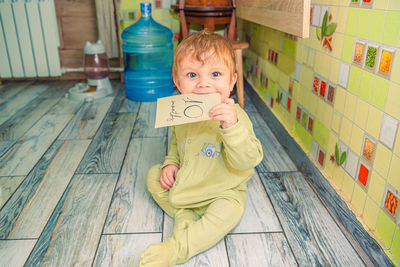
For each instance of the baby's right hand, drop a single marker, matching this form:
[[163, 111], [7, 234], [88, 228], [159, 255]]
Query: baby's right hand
[[167, 177]]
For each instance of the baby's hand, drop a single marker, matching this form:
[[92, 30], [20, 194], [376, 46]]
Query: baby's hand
[[225, 113], [167, 177]]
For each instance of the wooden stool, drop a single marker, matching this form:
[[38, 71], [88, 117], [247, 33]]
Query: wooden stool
[[209, 16]]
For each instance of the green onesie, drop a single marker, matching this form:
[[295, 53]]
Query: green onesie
[[209, 195]]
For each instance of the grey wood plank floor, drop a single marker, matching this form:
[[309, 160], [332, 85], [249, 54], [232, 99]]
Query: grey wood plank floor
[[72, 189]]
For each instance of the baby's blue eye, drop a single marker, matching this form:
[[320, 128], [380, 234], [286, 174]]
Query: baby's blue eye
[[216, 74], [191, 74]]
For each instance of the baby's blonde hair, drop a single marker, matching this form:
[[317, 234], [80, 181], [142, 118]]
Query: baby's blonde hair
[[202, 46]]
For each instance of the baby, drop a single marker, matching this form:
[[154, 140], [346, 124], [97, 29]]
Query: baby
[[202, 182]]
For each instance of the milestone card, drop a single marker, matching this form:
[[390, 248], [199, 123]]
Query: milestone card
[[186, 108]]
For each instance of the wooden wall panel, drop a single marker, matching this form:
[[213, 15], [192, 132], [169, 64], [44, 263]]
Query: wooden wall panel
[[291, 16], [77, 30]]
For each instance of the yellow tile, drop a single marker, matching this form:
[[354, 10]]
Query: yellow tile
[[334, 72], [347, 187], [395, 74], [350, 106], [361, 113], [311, 58], [336, 122], [337, 45], [326, 59], [370, 214], [324, 112], [309, 102], [306, 52], [394, 5], [358, 199], [396, 149], [357, 136], [345, 130], [306, 77], [394, 173], [376, 187], [284, 81], [392, 106], [374, 121], [340, 99], [337, 178], [299, 52], [382, 159], [381, 4]]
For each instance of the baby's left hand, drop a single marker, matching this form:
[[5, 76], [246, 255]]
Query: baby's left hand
[[225, 113]]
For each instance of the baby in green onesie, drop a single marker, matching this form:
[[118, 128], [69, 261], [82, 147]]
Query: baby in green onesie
[[202, 182]]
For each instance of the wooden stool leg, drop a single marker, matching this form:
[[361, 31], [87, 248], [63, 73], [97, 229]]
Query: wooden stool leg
[[239, 82]]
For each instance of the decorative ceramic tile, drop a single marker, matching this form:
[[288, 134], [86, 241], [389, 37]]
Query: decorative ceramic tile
[[351, 163], [310, 125], [344, 71], [385, 61], [322, 89], [324, 9], [288, 102], [388, 131], [355, 3], [331, 94], [358, 52], [291, 83], [266, 81], [363, 173], [368, 148], [391, 203], [321, 157], [298, 113], [370, 58], [304, 118], [316, 84], [367, 3]]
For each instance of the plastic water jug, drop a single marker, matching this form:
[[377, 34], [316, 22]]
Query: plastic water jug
[[148, 55]]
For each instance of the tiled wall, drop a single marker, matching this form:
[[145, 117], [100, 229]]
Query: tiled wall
[[340, 87]]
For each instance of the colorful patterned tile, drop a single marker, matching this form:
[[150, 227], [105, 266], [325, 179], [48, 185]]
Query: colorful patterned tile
[[316, 84], [368, 151], [321, 157], [331, 94], [388, 130], [322, 88], [391, 202], [363, 173], [385, 61], [371, 55]]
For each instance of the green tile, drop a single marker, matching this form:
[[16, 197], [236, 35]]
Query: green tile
[[364, 19], [354, 79], [366, 85], [348, 47], [321, 134], [392, 30], [395, 249], [385, 229], [289, 48], [305, 137], [378, 18], [379, 92], [352, 21]]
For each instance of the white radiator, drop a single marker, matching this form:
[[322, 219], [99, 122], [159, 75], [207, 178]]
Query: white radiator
[[29, 39]]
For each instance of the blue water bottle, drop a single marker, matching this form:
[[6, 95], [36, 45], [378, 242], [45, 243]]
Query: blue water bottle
[[148, 55]]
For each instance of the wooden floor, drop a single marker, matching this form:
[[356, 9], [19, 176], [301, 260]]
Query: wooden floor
[[72, 189]]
